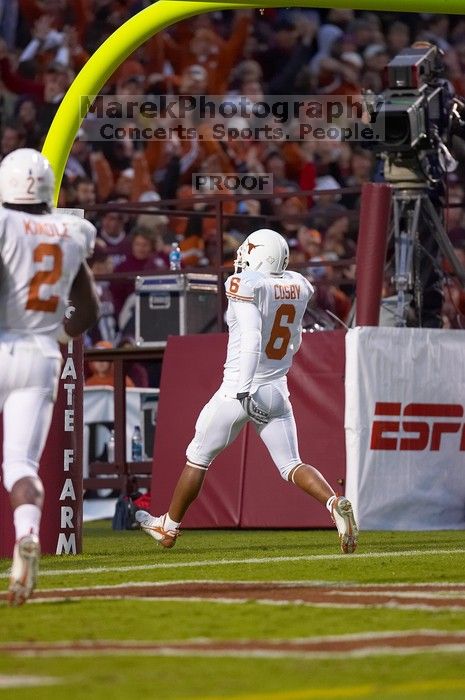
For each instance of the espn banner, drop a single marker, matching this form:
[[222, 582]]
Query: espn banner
[[405, 428]]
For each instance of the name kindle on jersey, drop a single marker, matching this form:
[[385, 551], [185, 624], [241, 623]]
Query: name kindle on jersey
[[33, 227]]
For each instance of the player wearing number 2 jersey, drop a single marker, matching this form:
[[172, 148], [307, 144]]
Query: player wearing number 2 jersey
[[265, 311], [42, 269]]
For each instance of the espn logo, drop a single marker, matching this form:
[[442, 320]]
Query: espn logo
[[416, 427]]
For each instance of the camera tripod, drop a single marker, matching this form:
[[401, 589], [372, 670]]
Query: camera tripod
[[418, 232]]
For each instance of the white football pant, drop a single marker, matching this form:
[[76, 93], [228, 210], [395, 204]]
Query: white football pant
[[28, 386], [222, 418]]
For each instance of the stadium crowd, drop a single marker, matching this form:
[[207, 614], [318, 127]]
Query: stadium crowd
[[44, 43]]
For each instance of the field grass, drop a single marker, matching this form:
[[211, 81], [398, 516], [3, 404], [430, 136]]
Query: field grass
[[118, 558]]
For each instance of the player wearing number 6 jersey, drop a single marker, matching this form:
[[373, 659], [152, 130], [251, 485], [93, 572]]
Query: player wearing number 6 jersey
[[265, 311], [42, 269]]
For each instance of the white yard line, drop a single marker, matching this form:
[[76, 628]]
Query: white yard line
[[205, 641], [250, 653], [391, 605], [440, 594], [263, 649], [248, 560], [122, 591], [18, 681], [443, 588]]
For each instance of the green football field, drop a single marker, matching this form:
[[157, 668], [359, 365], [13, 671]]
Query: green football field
[[241, 615]]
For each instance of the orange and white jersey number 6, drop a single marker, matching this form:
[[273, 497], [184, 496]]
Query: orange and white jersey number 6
[[280, 334]]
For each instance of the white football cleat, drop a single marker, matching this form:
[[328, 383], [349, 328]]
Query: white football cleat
[[343, 516], [155, 527], [24, 569]]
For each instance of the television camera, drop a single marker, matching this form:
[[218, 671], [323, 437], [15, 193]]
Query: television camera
[[415, 117], [417, 122]]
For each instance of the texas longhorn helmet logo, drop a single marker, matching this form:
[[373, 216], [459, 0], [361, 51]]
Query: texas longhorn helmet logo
[[252, 246]]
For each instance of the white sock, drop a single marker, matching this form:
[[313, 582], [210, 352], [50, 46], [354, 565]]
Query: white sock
[[171, 524], [27, 520], [329, 503]]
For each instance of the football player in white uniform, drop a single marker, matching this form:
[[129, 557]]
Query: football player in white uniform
[[42, 269], [265, 311]]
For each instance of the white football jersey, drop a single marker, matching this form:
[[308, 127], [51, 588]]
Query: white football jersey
[[40, 256], [282, 302]]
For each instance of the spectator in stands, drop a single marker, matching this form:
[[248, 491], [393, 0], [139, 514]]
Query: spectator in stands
[[337, 241], [361, 171], [376, 57], [112, 232], [9, 21], [327, 207], [328, 295], [135, 370], [397, 37], [45, 45], [282, 41], [192, 247], [102, 372], [436, 31], [275, 164], [294, 37], [246, 71], [292, 212], [84, 194], [310, 242], [106, 327], [26, 116], [78, 164], [328, 35], [250, 210], [157, 224], [57, 79], [331, 159], [346, 74], [146, 255], [13, 137], [207, 48]]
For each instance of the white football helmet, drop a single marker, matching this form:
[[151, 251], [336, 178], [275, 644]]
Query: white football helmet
[[265, 251], [26, 177]]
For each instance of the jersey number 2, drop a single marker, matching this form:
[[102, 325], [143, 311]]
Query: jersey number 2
[[34, 303], [280, 334]]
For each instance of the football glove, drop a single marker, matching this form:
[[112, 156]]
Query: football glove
[[253, 410]]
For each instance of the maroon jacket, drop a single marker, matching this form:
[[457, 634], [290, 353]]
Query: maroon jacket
[[15, 82], [122, 289]]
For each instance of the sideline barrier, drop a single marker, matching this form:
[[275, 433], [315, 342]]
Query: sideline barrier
[[60, 467], [405, 428]]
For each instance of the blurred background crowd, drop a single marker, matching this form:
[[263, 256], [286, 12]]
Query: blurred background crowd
[[44, 43]]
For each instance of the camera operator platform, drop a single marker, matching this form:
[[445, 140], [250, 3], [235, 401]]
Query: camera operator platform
[[417, 119]]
